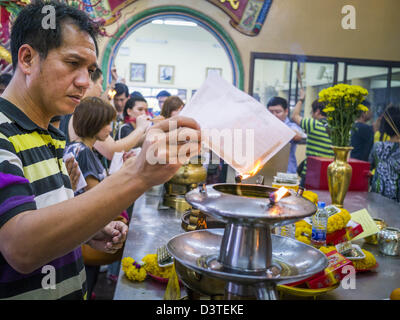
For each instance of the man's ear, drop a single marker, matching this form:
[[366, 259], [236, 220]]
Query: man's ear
[[26, 58]]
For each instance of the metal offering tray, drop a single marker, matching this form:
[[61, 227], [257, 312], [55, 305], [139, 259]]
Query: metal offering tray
[[244, 259]]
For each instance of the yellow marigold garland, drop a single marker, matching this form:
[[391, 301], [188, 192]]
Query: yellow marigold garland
[[137, 272], [303, 231], [151, 266], [336, 222], [133, 270], [312, 196], [368, 262]]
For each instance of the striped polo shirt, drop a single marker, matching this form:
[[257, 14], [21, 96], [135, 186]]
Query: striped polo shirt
[[318, 141], [33, 176]]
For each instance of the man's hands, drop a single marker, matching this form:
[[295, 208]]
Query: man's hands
[[296, 117], [168, 144], [73, 171], [143, 122], [111, 238]]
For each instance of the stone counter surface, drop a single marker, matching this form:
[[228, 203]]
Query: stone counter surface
[[152, 227]]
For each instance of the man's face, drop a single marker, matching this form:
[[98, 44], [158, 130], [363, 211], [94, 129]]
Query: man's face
[[161, 101], [119, 102], [279, 112], [95, 88], [59, 82], [139, 109]]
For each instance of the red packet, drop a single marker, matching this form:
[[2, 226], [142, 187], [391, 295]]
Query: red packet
[[333, 273], [351, 230]]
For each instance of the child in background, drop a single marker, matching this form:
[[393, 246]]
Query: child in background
[[171, 107]]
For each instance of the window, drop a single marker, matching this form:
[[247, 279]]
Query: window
[[375, 80], [395, 86], [283, 75]]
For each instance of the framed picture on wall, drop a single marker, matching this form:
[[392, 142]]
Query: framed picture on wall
[[137, 72], [213, 70], [166, 74]]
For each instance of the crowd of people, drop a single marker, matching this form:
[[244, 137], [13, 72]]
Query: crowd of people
[[380, 147]]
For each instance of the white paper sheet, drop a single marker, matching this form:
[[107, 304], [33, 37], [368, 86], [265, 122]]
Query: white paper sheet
[[81, 182], [118, 159], [254, 135], [116, 162]]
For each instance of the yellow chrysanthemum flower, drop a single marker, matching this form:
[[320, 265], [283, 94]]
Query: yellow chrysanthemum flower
[[362, 108], [328, 109]]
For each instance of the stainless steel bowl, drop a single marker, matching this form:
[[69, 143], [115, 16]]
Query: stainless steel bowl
[[388, 241], [196, 262], [250, 204]]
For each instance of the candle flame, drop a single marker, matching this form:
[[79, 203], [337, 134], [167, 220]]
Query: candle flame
[[201, 223], [256, 168], [253, 171], [280, 193], [111, 94]]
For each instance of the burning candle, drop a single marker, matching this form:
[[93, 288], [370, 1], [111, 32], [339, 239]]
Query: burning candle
[[244, 176], [274, 197], [238, 178], [111, 94]]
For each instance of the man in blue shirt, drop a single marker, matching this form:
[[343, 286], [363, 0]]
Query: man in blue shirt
[[279, 108]]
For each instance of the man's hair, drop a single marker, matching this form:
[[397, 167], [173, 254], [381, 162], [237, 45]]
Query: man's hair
[[121, 88], [171, 104], [276, 101], [28, 29], [316, 105], [5, 79], [135, 94], [92, 115], [96, 75], [163, 93], [131, 103]]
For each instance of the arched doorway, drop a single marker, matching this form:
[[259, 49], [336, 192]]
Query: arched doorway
[[178, 12]]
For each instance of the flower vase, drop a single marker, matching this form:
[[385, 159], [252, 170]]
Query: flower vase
[[339, 175]]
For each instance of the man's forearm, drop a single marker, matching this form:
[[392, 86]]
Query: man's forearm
[[65, 226], [296, 112], [109, 146]]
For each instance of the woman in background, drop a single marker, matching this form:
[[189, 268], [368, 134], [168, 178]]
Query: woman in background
[[135, 117], [92, 122], [385, 158]]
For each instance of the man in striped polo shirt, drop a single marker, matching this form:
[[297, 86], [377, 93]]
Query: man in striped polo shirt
[[41, 226], [318, 141]]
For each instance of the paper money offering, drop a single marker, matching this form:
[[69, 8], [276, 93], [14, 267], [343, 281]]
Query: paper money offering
[[235, 126]]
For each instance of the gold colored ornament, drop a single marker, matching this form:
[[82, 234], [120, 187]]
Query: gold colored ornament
[[339, 175]]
